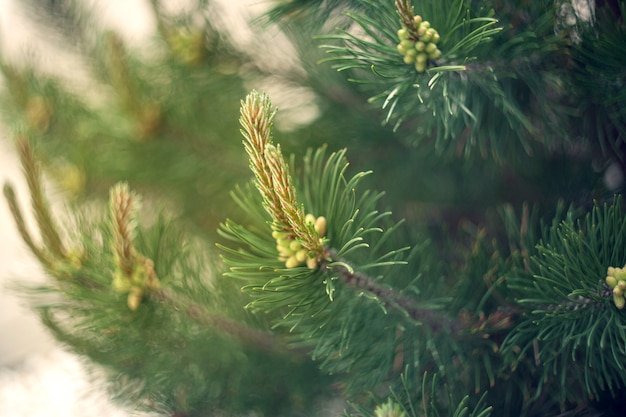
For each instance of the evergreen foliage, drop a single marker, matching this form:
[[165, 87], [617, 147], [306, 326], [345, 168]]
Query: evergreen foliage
[[570, 309], [487, 278]]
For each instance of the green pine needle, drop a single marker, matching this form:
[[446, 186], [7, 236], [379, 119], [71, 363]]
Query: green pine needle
[[569, 310], [440, 96], [306, 302]]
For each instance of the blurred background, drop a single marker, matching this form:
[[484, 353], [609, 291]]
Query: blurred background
[[38, 377]]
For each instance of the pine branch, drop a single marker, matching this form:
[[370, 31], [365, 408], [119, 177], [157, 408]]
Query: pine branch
[[53, 255], [570, 309], [427, 401], [274, 182], [123, 208], [253, 338], [435, 320], [49, 231], [187, 342], [405, 11], [278, 194], [598, 61], [435, 86], [455, 97], [256, 120], [286, 195], [308, 301], [9, 195]]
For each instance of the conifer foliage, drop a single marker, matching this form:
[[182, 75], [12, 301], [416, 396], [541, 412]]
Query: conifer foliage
[[486, 278]]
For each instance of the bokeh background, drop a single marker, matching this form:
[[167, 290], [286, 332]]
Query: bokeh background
[[38, 377]]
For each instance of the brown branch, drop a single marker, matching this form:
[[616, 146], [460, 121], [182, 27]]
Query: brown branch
[[436, 320], [257, 339]]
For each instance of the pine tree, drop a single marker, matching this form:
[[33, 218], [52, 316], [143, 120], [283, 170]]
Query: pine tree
[[470, 260]]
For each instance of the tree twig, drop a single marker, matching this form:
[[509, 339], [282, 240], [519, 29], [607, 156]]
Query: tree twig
[[255, 338]]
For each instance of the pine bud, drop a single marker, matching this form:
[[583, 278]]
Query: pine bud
[[435, 54], [621, 285], [619, 273], [411, 53], [611, 281], [295, 246], [292, 262], [619, 301], [617, 291], [120, 282], [389, 409], [301, 255], [427, 36], [134, 298], [311, 263], [407, 44], [320, 226], [278, 235], [309, 218], [70, 177], [139, 274], [425, 45]]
